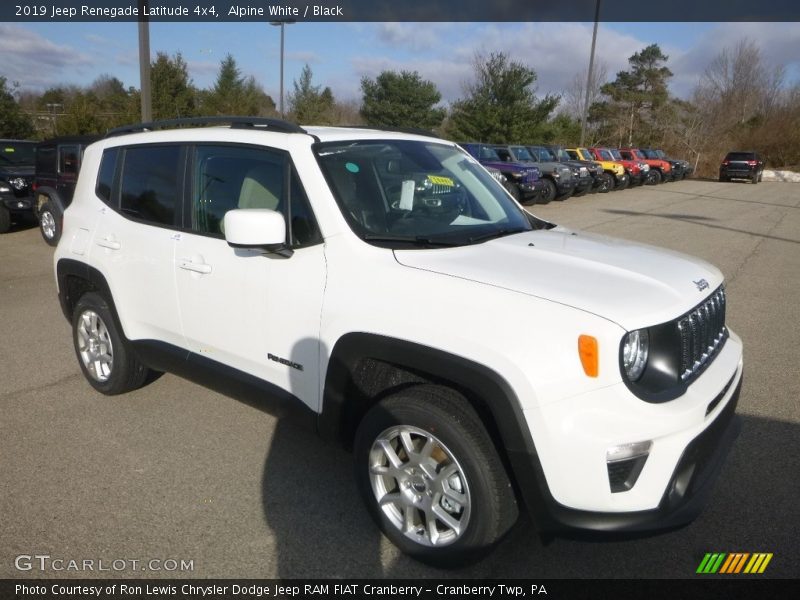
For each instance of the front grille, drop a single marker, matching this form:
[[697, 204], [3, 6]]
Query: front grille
[[531, 175], [702, 331]]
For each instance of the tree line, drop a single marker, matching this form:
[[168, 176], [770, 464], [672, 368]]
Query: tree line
[[739, 103]]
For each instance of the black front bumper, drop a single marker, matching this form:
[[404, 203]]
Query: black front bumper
[[683, 500], [14, 204], [534, 189], [565, 186], [637, 179]]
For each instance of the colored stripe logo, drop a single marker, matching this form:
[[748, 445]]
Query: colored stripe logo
[[734, 563]]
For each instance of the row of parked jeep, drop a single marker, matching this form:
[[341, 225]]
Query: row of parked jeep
[[40, 178], [542, 173]]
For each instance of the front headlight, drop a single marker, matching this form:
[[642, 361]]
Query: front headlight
[[17, 183], [516, 175], [636, 347]]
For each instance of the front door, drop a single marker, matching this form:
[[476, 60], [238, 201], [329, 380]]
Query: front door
[[258, 314]]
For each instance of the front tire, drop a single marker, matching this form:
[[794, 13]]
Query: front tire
[[49, 224], [606, 183], [550, 191], [431, 476], [653, 177], [105, 357]]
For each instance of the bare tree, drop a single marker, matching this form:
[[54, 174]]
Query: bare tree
[[572, 101], [742, 102], [737, 81]]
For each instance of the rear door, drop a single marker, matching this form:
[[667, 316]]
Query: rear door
[[133, 243]]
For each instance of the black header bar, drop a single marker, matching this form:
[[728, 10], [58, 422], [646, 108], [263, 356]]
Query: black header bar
[[400, 10]]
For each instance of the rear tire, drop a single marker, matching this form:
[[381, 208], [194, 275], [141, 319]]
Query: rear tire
[[754, 179], [431, 476], [49, 224], [105, 357]]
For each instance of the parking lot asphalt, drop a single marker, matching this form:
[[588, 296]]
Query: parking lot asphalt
[[175, 471]]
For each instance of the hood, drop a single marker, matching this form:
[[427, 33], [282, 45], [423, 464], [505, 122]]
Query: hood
[[546, 166], [631, 284]]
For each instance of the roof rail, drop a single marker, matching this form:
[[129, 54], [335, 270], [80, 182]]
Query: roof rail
[[235, 122]]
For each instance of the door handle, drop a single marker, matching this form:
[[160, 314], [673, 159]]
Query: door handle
[[188, 265], [109, 243]]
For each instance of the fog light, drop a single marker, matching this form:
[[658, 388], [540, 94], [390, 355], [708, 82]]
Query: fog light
[[625, 463]]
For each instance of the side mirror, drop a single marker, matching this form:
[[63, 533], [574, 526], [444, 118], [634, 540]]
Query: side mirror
[[257, 228]]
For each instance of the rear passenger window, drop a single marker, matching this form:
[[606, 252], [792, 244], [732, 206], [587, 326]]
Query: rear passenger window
[[105, 176], [150, 183]]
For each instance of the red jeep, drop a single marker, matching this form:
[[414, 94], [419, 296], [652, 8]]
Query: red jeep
[[660, 170], [637, 170]]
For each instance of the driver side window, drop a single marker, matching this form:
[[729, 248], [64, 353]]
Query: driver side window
[[230, 177]]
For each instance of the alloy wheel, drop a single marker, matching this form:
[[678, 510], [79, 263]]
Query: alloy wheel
[[94, 346], [419, 485]]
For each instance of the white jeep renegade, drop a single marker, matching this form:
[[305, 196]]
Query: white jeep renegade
[[390, 291]]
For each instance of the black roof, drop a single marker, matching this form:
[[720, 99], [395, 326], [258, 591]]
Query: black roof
[[70, 139]]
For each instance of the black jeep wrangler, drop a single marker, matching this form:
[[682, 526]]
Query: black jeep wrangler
[[58, 161], [16, 177]]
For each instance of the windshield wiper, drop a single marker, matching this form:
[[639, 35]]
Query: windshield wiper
[[495, 234], [418, 240]]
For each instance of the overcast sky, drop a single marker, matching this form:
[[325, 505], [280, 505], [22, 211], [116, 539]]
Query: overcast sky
[[42, 55]]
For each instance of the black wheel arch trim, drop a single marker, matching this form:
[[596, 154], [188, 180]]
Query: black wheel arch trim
[[68, 295], [54, 197], [478, 380]]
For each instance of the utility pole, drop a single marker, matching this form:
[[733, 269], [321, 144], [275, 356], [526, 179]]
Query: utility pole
[[144, 63], [281, 24], [589, 76]]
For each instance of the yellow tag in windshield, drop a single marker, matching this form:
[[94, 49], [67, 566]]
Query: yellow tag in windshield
[[439, 180], [8, 150]]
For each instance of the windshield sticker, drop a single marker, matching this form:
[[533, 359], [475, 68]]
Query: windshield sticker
[[439, 180], [352, 167]]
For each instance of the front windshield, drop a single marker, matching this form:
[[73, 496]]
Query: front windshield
[[488, 153], [606, 155], [650, 153], [522, 153], [615, 154], [546, 155], [16, 154], [404, 193], [585, 153], [660, 154], [563, 155]]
